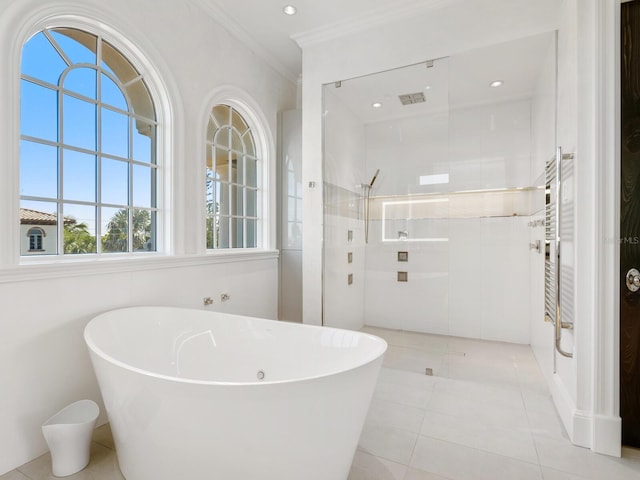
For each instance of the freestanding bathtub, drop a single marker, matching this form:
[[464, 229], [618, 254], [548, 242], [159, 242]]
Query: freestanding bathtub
[[198, 395]]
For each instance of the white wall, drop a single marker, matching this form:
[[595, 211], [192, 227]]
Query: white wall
[[45, 307], [463, 283]]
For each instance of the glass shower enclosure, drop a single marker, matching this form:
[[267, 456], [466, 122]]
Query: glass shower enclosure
[[434, 193]]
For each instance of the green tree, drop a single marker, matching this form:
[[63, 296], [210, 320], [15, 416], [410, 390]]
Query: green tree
[[77, 238], [117, 236]]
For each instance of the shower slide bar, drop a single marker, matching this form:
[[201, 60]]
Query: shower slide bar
[[553, 311]]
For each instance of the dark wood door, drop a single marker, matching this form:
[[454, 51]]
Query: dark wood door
[[630, 223]]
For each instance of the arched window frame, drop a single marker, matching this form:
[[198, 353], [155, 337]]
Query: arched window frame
[[35, 237], [251, 112], [55, 16]]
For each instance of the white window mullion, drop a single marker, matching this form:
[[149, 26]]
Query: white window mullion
[[78, 207], [59, 209]]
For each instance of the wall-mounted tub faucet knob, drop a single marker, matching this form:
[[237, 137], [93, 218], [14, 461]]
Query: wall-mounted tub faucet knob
[[225, 296]]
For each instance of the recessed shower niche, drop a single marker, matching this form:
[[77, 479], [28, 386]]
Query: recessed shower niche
[[433, 161]]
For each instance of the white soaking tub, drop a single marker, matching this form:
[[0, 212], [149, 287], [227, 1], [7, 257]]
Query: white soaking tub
[[198, 395]]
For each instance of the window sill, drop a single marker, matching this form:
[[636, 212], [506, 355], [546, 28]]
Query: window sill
[[37, 268]]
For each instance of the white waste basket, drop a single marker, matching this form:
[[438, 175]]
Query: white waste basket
[[68, 434]]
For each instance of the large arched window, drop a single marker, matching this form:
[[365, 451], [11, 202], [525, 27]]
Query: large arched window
[[88, 143], [233, 182]]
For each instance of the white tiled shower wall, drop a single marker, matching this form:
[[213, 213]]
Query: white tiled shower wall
[[473, 277]]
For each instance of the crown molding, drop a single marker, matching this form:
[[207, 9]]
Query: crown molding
[[375, 18], [239, 32]]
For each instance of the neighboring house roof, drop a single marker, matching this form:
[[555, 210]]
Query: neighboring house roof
[[33, 217]]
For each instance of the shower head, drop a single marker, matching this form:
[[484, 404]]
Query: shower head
[[375, 175]]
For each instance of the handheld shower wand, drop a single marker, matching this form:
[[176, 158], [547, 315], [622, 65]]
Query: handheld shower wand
[[375, 175], [366, 205]]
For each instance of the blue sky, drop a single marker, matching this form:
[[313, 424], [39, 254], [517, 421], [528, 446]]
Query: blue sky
[[81, 169]]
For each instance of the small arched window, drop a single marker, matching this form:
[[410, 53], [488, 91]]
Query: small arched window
[[233, 182], [34, 237], [88, 143]]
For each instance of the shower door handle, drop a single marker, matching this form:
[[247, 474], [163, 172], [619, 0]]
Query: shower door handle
[[633, 280]]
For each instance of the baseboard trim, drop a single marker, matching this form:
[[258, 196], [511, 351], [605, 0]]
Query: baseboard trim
[[607, 435], [600, 433]]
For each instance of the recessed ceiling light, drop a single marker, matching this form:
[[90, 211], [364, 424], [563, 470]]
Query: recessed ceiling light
[[289, 9], [496, 83], [376, 105], [428, 87]]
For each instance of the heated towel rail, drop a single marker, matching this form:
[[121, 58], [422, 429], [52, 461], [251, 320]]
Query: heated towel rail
[[552, 308]]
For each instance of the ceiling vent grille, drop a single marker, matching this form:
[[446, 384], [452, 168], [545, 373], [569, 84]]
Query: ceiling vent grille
[[411, 98]]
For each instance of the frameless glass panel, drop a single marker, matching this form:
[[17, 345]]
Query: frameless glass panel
[[251, 171], [143, 230], [79, 176], [114, 182], [114, 133], [251, 233], [144, 141], [298, 208], [43, 218], [115, 229], [252, 202], [41, 60], [143, 180], [78, 45], [114, 62], [291, 209], [291, 183], [237, 122], [400, 143], [79, 123], [79, 228], [221, 138], [38, 170], [38, 111], [294, 232], [82, 81], [220, 115], [111, 94]]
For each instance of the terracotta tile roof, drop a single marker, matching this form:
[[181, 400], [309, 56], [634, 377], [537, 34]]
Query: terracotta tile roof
[[33, 217]]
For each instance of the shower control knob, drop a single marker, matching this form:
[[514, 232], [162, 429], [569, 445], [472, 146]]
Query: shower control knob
[[633, 280]]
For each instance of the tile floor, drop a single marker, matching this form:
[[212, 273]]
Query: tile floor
[[486, 413]]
